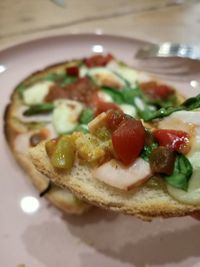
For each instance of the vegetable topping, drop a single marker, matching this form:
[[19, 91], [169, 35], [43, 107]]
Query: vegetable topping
[[155, 90], [175, 140], [81, 90], [98, 60], [128, 140], [162, 160], [105, 106], [72, 71]]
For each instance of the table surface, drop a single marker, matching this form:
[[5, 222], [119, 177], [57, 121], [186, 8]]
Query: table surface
[[153, 20]]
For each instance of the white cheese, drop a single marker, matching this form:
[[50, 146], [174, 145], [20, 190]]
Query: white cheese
[[139, 103], [36, 93], [65, 115], [105, 97], [104, 76], [129, 74], [83, 71], [128, 109]]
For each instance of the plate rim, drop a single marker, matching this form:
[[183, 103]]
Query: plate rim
[[70, 35]]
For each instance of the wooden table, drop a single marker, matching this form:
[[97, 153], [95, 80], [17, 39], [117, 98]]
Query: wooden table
[[155, 20]]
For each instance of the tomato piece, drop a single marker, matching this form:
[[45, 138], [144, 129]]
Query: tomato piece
[[55, 92], [128, 140], [157, 91], [72, 71], [114, 118], [105, 106], [81, 90], [98, 60], [175, 140]]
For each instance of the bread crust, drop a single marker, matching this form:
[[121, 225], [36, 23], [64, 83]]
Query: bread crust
[[61, 198], [144, 202]]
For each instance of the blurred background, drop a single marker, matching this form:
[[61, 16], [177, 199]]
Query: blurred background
[[153, 20]]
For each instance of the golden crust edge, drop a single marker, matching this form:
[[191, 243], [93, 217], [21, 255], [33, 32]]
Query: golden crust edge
[[25, 163]]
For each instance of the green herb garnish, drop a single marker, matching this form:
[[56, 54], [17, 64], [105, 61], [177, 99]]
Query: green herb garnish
[[189, 104], [116, 96], [87, 116], [39, 109], [147, 151], [181, 174]]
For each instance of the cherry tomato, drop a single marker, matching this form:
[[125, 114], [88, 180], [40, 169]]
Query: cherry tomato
[[155, 90], [72, 71], [98, 60], [175, 140], [128, 140], [114, 118], [102, 106]]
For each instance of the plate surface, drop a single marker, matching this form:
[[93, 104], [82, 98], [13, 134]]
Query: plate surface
[[36, 234]]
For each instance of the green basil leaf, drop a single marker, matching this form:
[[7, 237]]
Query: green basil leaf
[[189, 104], [129, 94], [87, 116], [117, 96], [39, 109], [181, 174]]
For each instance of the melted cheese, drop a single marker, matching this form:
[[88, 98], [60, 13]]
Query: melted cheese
[[65, 115], [36, 93], [129, 74], [129, 110], [105, 97], [104, 76]]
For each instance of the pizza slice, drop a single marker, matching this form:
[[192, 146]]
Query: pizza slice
[[136, 146]]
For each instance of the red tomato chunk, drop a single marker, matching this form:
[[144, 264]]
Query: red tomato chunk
[[81, 90], [98, 60], [102, 106], [175, 140], [156, 91], [114, 118], [128, 140], [72, 71]]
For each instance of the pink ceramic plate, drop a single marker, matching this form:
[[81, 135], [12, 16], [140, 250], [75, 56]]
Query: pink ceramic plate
[[36, 234]]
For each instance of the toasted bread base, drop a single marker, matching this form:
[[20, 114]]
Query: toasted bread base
[[61, 198], [146, 202]]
